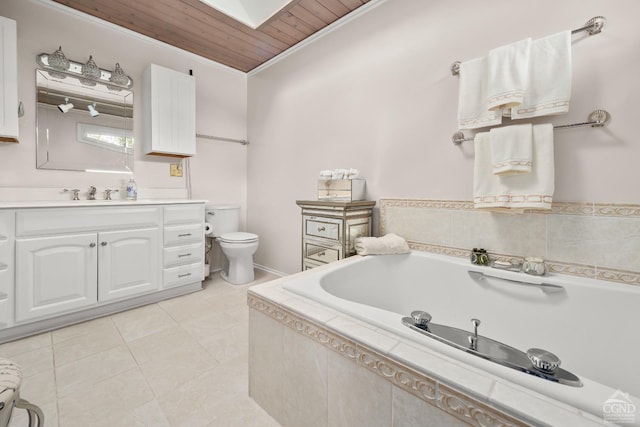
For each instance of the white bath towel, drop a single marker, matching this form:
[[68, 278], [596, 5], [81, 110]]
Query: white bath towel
[[472, 97], [549, 87], [386, 245], [511, 149], [508, 75], [527, 191]]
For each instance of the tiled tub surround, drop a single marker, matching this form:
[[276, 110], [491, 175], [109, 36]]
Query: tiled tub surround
[[310, 364], [583, 239]]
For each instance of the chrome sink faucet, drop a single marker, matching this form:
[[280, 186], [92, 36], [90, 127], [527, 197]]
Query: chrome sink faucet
[[75, 192], [91, 194], [107, 193]]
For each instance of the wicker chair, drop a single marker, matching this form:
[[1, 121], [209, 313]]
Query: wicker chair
[[10, 380]]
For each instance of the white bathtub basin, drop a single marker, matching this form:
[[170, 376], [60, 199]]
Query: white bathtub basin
[[590, 324]]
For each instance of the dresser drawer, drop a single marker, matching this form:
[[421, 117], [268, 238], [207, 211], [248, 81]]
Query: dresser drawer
[[183, 214], [179, 234], [325, 228], [308, 264], [177, 276], [185, 254], [320, 253]]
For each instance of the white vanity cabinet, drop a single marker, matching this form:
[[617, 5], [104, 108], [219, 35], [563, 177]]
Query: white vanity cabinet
[[168, 112], [8, 81], [76, 263]]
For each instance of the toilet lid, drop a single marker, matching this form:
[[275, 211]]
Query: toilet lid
[[238, 237]]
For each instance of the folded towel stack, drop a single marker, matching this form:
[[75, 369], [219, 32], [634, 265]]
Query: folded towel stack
[[386, 245], [522, 80]]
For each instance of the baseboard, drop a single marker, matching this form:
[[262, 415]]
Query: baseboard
[[269, 270]]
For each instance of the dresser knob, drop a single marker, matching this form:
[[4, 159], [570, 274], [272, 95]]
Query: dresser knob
[[103, 243], [92, 245]]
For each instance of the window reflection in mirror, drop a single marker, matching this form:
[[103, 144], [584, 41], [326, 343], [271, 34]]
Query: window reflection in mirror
[[82, 127]]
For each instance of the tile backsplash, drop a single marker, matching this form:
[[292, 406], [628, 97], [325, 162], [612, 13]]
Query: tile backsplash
[[585, 239]]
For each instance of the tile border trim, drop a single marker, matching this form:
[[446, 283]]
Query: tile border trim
[[435, 393], [562, 208]]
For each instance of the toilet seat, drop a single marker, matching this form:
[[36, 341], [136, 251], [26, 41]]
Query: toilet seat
[[238, 237]]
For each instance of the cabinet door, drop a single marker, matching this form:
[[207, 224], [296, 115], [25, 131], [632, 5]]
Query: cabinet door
[[169, 97], [128, 263], [55, 275], [8, 81]]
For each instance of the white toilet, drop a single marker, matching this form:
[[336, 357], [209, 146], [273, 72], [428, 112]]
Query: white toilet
[[237, 247]]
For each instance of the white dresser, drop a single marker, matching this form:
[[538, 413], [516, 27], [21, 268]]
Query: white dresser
[[60, 264]]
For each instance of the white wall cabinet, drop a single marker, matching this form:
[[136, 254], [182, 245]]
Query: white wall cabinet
[[76, 263], [8, 81], [168, 112], [55, 274]]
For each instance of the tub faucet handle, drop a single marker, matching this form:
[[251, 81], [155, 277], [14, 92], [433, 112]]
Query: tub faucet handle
[[420, 318], [475, 322], [473, 339]]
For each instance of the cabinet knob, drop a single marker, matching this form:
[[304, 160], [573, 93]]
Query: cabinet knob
[[92, 245], [103, 243], [321, 228]]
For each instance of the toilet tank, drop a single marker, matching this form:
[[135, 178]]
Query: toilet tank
[[223, 218]]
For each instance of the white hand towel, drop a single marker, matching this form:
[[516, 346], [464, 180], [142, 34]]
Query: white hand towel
[[472, 98], [549, 87], [508, 74], [386, 245], [526, 191], [511, 149]]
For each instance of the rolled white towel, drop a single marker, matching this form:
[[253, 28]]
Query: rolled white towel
[[386, 245]]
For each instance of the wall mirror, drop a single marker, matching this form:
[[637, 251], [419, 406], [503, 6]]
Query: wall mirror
[[82, 127]]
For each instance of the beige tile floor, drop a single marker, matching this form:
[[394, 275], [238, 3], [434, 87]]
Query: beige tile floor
[[179, 362]]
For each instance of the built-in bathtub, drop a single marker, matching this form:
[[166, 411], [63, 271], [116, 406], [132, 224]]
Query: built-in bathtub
[[591, 325]]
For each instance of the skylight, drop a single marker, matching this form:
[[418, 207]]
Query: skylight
[[250, 12]]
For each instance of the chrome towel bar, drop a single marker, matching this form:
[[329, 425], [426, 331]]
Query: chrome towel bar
[[593, 26], [546, 287], [596, 119], [220, 138]]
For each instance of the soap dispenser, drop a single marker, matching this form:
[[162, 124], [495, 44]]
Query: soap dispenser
[[132, 189]]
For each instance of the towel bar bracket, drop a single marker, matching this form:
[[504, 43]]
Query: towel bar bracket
[[593, 26], [596, 119]]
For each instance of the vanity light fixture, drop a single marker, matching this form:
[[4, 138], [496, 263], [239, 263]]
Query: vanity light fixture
[[92, 110], [90, 72], [66, 107]]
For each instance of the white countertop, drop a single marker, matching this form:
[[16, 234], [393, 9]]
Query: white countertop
[[89, 203]]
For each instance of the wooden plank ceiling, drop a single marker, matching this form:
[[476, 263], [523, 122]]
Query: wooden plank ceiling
[[200, 29]]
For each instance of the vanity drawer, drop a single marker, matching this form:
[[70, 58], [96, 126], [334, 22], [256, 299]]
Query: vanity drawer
[[183, 233], [183, 274], [185, 254], [6, 224], [320, 253], [325, 228], [34, 222], [183, 214]]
